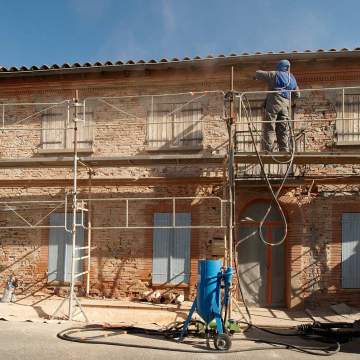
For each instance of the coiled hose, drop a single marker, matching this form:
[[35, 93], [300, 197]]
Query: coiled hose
[[68, 335], [274, 194]]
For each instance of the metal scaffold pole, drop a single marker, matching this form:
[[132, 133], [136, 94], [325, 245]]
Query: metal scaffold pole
[[74, 209], [230, 169], [230, 177], [73, 300], [89, 232]]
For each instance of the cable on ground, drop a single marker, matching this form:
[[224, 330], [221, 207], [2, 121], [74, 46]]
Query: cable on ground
[[67, 335]]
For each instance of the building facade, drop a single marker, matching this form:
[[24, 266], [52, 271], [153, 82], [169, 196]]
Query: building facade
[[154, 137]]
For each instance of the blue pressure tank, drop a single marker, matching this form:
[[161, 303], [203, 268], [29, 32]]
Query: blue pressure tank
[[208, 289], [211, 278]]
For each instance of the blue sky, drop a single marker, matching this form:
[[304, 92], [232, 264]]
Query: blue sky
[[46, 32]]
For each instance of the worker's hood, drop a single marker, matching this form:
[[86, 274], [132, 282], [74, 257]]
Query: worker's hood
[[283, 65], [284, 80]]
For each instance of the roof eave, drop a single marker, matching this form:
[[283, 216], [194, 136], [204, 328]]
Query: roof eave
[[228, 60]]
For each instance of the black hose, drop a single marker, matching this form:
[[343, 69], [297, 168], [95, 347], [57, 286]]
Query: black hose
[[67, 336], [64, 335], [326, 351], [267, 330]]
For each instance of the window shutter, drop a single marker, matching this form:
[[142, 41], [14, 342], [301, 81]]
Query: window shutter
[[187, 125], [161, 248], [159, 126], [171, 249], [58, 133], [174, 125], [60, 248], [348, 128], [350, 251], [56, 256], [53, 128], [180, 255], [85, 130]]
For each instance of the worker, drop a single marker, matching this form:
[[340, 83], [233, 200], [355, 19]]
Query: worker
[[277, 105]]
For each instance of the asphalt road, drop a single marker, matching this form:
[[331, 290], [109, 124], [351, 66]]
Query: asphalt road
[[28, 341]]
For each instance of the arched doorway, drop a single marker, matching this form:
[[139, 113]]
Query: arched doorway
[[262, 267]]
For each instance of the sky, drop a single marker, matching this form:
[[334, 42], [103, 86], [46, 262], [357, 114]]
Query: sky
[[36, 32]]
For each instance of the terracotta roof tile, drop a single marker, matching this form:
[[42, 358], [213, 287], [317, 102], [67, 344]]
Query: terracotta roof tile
[[131, 62]]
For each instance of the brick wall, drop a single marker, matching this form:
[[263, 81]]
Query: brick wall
[[124, 257], [121, 257], [313, 244]]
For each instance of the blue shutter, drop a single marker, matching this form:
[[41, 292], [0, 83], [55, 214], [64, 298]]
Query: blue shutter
[[56, 260], [60, 248], [350, 251], [171, 249], [161, 248], [79, 265], [180, 255]]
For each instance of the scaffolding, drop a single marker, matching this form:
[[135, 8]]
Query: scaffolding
[[159, 121], [77, 115]]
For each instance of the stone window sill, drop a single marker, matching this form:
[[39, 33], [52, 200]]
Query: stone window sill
[[64, 151], [174, 148]]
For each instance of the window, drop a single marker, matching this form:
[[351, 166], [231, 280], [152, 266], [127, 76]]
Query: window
[[350, 251], [348, 120], [172, 125], [58, 133], [171, 249]]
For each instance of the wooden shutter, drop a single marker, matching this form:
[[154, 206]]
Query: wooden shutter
[[57, 129], [348, 128], [175, 125], [161, 248], [60, 248], [187, 125], [180, 254], [160, 125], [53, 128], [350, 251], [171, 249], [86, 130]]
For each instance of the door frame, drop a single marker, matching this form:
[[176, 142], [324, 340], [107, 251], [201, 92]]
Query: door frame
[[286, 265]]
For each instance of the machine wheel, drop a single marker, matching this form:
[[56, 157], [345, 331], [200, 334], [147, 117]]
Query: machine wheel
[[222, 342]]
